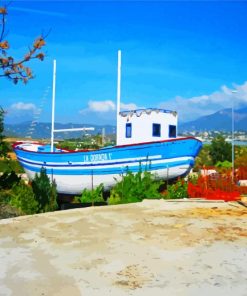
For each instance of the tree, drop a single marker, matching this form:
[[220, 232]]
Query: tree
[[220, 150], [16, 70], [3, 144], [204, 158], [23, 198], [45, 192], [13, 69], [241, 161]]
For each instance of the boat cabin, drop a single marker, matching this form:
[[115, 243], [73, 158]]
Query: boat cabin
[[146, 125]]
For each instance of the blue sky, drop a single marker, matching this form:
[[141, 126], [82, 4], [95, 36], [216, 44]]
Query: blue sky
[[186, 56]]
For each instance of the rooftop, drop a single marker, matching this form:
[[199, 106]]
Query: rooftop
[[139, 112]]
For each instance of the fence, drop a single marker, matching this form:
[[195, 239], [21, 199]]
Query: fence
[[214, 184]]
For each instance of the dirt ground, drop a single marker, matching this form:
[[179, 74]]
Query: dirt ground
[[148, 248]]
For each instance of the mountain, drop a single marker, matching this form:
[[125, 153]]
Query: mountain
[[220, 121], [42, 130]]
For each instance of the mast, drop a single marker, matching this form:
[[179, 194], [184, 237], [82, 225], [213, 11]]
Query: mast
[[53, 130], [118, 90], [53, 105]]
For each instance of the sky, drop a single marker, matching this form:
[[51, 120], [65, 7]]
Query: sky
[[186, 56]]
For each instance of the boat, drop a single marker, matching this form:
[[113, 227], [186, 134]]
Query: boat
[[146, 139]]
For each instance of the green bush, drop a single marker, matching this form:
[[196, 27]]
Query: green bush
[[53, 205], [45, 192], [23, 199], [8, 180], [192, 178], [177, 190], [4, 146], [7, 165], [92, 196], [224, 164], [203, 158], [134, 188], [5, 196], [114, 198], [220, 150]]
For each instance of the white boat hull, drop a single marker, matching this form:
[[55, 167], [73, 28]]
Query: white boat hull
[[75, 171]]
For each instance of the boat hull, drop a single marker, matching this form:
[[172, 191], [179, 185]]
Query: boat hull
[[74, 171]]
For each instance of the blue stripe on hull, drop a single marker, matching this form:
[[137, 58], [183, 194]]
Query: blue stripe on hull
[[114, 170], [47, 165]]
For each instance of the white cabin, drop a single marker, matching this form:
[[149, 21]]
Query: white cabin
[[146, 125]]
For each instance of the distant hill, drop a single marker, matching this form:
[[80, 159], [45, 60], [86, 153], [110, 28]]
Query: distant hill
[[220, 121], [42, 130]]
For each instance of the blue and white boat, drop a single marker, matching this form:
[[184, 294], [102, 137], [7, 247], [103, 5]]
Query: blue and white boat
[[146, 138]]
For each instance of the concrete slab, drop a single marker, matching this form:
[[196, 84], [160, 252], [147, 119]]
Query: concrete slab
[[149, 248]]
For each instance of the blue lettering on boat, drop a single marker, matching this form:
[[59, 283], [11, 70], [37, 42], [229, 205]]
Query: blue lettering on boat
[[97, 157]]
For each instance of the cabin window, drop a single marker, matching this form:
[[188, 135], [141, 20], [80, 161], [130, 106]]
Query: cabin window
[[128, 131], [172, 131], [156, 130]]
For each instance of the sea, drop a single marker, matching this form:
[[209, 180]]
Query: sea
[[236, 143]]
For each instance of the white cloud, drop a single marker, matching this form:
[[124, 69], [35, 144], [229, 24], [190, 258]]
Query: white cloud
[[20, 112], [106, 106], [101, 106], [98, 107], [130, 106], [192, 108], [103, 111], [23, 106]]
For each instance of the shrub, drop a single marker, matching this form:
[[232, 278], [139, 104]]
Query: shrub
[[134, 188], [5, 196], [220, 150], [53, 205], [241, 161], [192, 178], [45, 192], [177, 190], [8, 180], [92, 196], [4, 147], [7, 211], [23, 199], [114, 198], [224, 164], [7, 165], [203, 158]]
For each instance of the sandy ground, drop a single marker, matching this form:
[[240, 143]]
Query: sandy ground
[[149, 248]]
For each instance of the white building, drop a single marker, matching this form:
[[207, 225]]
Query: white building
[[146, 125]]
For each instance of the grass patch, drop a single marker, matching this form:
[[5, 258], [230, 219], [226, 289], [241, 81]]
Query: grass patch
[[11, 165]]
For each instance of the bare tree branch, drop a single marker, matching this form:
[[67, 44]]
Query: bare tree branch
[[16, 70]]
